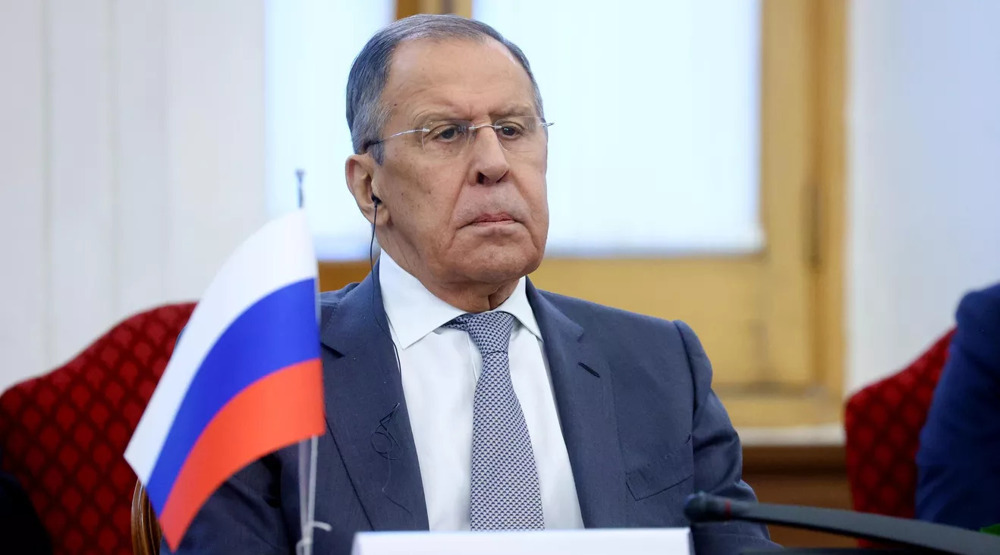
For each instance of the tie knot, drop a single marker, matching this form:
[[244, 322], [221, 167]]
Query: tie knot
[[490, 331]]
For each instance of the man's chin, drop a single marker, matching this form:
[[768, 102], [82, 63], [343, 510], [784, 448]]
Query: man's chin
[[500, 267]]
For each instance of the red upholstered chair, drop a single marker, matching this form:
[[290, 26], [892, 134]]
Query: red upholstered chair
[[882, 424], [63, 434]]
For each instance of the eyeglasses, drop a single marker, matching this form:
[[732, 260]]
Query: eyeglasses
[[449, 138]]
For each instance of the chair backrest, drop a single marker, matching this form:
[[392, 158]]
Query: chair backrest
[[63, 434], [882, 423]]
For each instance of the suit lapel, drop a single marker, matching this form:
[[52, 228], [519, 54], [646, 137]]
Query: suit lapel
[[363, 388], [581, 381], [366, 412]]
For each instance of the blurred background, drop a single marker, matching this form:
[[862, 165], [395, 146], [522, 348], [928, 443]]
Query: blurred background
[[811, 184]]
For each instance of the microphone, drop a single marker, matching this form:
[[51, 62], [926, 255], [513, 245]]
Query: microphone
[[382, 440], [703, 507]]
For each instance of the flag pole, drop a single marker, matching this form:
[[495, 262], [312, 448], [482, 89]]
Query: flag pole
[[308, 452]]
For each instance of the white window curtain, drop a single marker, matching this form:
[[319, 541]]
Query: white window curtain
[[655, 148], [310, 46]]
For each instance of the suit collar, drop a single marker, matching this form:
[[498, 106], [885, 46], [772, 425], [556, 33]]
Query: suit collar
[[366, 412], [414, 312]]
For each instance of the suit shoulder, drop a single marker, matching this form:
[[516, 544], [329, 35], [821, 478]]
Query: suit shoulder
[[974, 346], [978, 317], [985, 302], [604, 316], [628, 331], [328, 300]]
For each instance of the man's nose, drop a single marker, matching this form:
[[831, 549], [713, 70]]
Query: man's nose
[[489, 157]]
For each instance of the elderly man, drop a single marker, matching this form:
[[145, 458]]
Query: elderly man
[[458, 396]]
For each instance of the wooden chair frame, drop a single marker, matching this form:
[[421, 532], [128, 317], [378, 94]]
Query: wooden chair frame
[[146, 532]]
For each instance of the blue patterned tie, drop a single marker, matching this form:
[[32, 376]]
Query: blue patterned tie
[[505, 494]]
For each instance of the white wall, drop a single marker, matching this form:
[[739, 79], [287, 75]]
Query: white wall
[[924, 176], [131, 162]]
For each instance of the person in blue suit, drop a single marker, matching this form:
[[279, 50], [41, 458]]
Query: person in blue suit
[[20, 528], [459, 396], [959, 456]]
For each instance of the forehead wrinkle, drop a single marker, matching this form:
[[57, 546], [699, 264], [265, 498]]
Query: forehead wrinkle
[[453, 102], [439, 110], [446, 108]]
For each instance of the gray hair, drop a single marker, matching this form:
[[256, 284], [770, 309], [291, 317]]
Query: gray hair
[[366, 116]]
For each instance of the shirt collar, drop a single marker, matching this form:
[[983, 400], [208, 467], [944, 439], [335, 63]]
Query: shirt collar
[[413, 311]]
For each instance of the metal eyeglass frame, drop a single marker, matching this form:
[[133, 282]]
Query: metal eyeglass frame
[[471, 129]]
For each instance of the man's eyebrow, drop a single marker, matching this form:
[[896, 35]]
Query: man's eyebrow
[[435, 114], [428, 117], [514, 110]]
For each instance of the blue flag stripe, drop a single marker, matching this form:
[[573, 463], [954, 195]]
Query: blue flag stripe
[[278, 331]]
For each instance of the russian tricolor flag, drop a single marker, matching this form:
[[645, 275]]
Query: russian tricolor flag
[[245, 378]]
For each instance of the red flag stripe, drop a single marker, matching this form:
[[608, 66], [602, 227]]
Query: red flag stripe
[[278, 410]]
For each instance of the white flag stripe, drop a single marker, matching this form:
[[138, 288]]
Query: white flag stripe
[[279, 254]]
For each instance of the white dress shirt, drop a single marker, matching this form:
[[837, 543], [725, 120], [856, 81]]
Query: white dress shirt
[[439, 368]]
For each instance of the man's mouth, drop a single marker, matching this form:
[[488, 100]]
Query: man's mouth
[[495, 218]]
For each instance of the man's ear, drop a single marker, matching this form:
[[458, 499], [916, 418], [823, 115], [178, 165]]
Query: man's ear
[[360, 170]]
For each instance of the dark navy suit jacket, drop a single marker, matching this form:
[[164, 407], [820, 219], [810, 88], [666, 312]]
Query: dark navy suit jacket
[[641, 424], [959, 457]]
